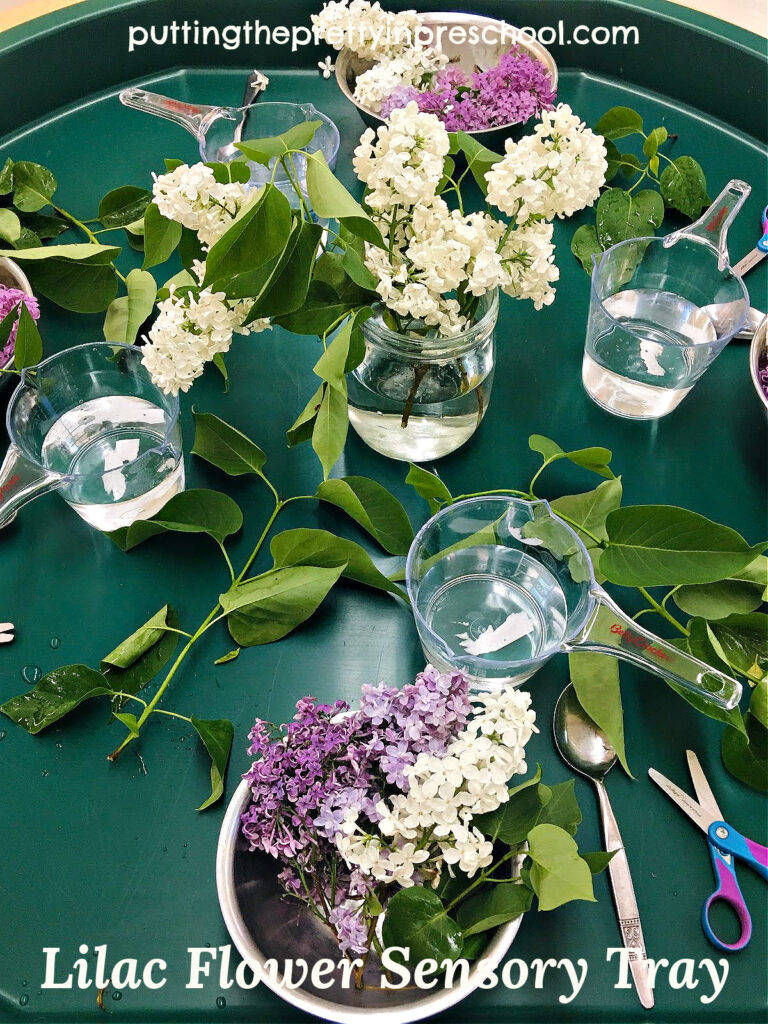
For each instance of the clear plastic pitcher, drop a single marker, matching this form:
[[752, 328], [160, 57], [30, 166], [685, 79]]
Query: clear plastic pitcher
[[500, 585], [90, 423], [217, 129], [661, 311]]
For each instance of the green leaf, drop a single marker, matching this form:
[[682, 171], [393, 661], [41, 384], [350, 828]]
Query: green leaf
[[329, 198], [621, 216], [417, 921], [321, 309], [599, 861], [129, 721], [587, 512], [221, 366], [258, 235], [262, 151], [655, 139], [562, 808], [492, 907], [56, 694], [480, 159], [272, 605], [329, 432], [87, 252], [585, 245], [79, 285], [10, 226], [618, 122], [28, 348], [138, 659], [373, 507], [545, 446], [512, 821], [229, 656], [745, 753], [44, 225], [595, 679], [331, 366], [305, 423], [699, 644], [6, 178], [226, 447], [216, 736], [122, 206], [33, 186], [717, 600], [659, 545], [285, 286], [742, 640], [320, 548], [126, 314], [194, 511], [161, 237], [428, 486], [558, 874], [353, 263], [684, 186]]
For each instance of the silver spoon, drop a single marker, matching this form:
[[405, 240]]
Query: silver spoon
[[586, 749]]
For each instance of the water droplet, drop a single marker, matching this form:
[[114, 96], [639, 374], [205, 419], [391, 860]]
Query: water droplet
[[59, 745], [23, 999], [183, 739], [221, 1002], [117, 995], [165, 849], [32, 674], [55, 642], [44, 772], [24, 984], [3, 734], [143, 770], [185, 846]]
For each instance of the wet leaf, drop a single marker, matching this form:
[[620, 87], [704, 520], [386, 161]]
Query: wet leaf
[[54, 696], [216, 736], [373, 507], [416, 920]]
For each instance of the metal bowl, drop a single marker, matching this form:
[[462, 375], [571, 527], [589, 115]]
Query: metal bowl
[[265, 925], [759, 350], [466, 55], [12, 276]]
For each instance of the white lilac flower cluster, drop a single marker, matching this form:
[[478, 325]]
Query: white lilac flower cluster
[[188, 332], [192, 197], [430, 826], [554, 172], [390, 40], [432, 251]]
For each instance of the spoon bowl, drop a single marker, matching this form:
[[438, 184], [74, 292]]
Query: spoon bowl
[[580, 742]]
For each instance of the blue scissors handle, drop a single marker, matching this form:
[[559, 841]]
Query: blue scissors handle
[[762, 245]]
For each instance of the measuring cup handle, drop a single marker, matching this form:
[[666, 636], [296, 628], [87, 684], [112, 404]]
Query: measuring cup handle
[[192, 116], [20, 482], [611, 631], [712, 226]]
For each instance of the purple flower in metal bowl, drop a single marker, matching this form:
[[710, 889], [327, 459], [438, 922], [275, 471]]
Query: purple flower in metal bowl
[[14, 289]]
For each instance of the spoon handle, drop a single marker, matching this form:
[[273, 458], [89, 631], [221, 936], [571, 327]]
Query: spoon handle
[[624, 899]]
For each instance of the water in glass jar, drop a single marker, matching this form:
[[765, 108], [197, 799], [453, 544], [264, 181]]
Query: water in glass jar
[[413, 419], [495, 604], [98, 443], [644, 358]]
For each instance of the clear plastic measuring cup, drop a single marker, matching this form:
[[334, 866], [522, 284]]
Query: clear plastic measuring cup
[[90, 423], [499, 585], [661, 310], [218, 128]]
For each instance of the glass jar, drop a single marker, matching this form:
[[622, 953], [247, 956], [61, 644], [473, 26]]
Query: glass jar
[[419, 398]]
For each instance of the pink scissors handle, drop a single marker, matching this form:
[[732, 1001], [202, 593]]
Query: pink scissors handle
[[727, 891]]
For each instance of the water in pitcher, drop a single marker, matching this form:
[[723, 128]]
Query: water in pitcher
[[494, 603], [112, 449], [644, 358]]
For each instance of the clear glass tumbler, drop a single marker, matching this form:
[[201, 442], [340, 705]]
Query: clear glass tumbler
[[418, 397], [661, 311], [90, 423]]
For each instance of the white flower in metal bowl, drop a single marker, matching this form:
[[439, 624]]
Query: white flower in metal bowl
[[477, 43]]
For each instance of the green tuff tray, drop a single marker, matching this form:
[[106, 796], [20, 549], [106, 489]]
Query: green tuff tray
[[95, 853]]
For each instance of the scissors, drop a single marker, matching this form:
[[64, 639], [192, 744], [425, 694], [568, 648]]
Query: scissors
[[725, 844], [755, 255]]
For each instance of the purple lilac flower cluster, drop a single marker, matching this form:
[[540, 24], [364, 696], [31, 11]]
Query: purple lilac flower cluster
[[762, 375], [10, 298], [329, 759], [514, 90]]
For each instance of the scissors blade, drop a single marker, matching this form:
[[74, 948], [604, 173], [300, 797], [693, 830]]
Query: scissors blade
[[748, 262], [704, 793], [687, 804]]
